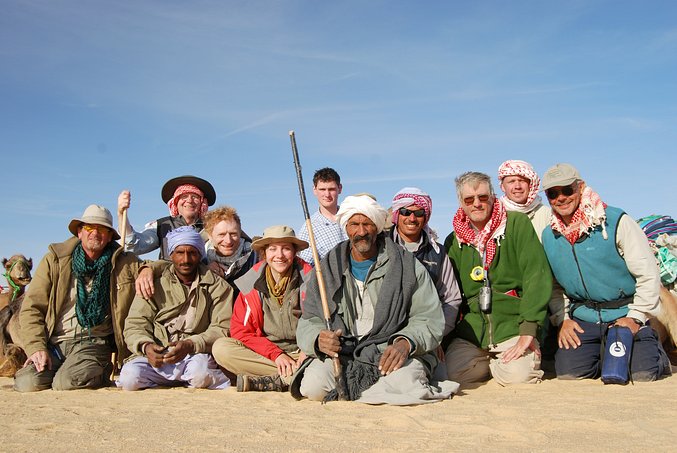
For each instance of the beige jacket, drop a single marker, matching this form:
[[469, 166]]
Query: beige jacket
[[50, 289], [147, 318]]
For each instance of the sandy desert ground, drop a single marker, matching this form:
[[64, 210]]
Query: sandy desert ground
[[551, 416]]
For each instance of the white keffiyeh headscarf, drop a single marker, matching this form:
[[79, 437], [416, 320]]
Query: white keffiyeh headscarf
[[524, 169]]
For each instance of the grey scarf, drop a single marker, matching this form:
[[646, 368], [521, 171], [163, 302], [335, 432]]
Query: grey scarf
[[391, 312]]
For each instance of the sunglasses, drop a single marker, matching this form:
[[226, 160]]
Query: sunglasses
[[190, 196], [100, 228], [406, 212], [470, 200], [567, 191]]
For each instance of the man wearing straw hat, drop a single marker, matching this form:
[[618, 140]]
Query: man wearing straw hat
[[171, 335], [386, 318], [73, 314], [188, 198]]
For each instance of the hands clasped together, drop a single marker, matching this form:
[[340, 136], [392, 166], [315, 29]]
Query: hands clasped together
[[393, 357], [175, 352]]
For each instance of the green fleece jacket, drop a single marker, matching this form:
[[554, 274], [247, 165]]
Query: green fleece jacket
[[147, 318], [50, 289], [520, 264]]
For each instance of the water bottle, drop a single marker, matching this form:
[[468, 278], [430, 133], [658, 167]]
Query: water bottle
[[485, 297], [616, 364]]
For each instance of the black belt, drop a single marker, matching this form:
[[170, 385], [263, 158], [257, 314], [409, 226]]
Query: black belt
[[575, 304]]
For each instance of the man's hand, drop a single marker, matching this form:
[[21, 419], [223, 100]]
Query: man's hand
[[629, 323], [441, 356], [568, 338], [124, 200], [217, 269], [329, 342], [394, 356], [155, 354], [41, 360], [299, 361], [285, 365], [523, 343], [144, 283], [176, 351]]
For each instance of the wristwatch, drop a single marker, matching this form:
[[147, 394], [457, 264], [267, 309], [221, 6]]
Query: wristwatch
[[638, 322]]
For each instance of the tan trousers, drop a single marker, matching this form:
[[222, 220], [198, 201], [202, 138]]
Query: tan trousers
[[75, 365], [466, 364], [237, 358]]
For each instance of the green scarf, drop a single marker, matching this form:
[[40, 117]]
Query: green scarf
[[91, 309]]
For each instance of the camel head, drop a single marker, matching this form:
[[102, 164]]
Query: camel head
[[18, 270]]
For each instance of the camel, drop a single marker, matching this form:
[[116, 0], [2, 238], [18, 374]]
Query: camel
[[665, 324], [18, 275]]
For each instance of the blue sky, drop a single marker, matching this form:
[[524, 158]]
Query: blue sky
[[100, 96]]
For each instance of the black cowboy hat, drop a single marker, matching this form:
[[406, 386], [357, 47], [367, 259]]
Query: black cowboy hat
[[170, 187]]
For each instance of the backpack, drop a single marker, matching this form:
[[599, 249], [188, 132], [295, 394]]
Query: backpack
[[655, 226]]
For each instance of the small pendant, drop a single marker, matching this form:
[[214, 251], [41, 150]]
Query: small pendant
[[477, 273]]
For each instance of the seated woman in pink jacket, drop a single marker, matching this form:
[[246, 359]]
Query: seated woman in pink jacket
[[262, 349]]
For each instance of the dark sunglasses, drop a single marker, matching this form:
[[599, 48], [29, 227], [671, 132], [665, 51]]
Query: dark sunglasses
[[470, 200], [406, 212], [567, 191]]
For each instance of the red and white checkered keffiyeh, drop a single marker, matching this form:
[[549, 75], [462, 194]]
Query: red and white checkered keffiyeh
[[411, 196], [487, 240], [521, 168], [591, 212], [183, 189]]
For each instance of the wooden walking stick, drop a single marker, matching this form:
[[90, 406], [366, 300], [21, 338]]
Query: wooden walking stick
[[338, 372], [123, 238]]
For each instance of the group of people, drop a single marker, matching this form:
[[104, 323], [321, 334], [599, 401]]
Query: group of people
[[387, 315]]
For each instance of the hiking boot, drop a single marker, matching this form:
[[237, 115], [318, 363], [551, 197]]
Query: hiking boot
[[274, 383]]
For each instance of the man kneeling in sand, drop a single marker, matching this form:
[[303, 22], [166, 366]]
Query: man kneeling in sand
[[172, 333], [383, 303], [72, 317]]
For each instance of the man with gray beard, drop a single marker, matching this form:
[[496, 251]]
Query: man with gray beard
[[386, 318]]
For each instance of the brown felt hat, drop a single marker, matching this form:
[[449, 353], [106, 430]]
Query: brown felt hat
[[278, 233], [170, 187]]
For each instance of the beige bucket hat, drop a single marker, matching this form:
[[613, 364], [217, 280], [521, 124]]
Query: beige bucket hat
[[278, 233], [94, 214]]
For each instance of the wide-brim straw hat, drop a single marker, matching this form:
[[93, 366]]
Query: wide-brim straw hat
[[278, 233], [94, 214], [170, 187]]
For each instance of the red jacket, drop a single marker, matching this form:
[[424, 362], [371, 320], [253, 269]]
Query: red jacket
[[246, 325]]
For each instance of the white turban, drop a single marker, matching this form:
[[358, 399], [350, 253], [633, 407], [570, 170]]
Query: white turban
[[365, 205], [185, 235]]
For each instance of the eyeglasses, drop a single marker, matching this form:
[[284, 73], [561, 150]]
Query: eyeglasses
[[190, 196], [406, 212], [470, 200], [567, 191], [100, 228]]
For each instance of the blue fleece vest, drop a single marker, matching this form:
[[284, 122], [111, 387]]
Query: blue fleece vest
[[592, 270]]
